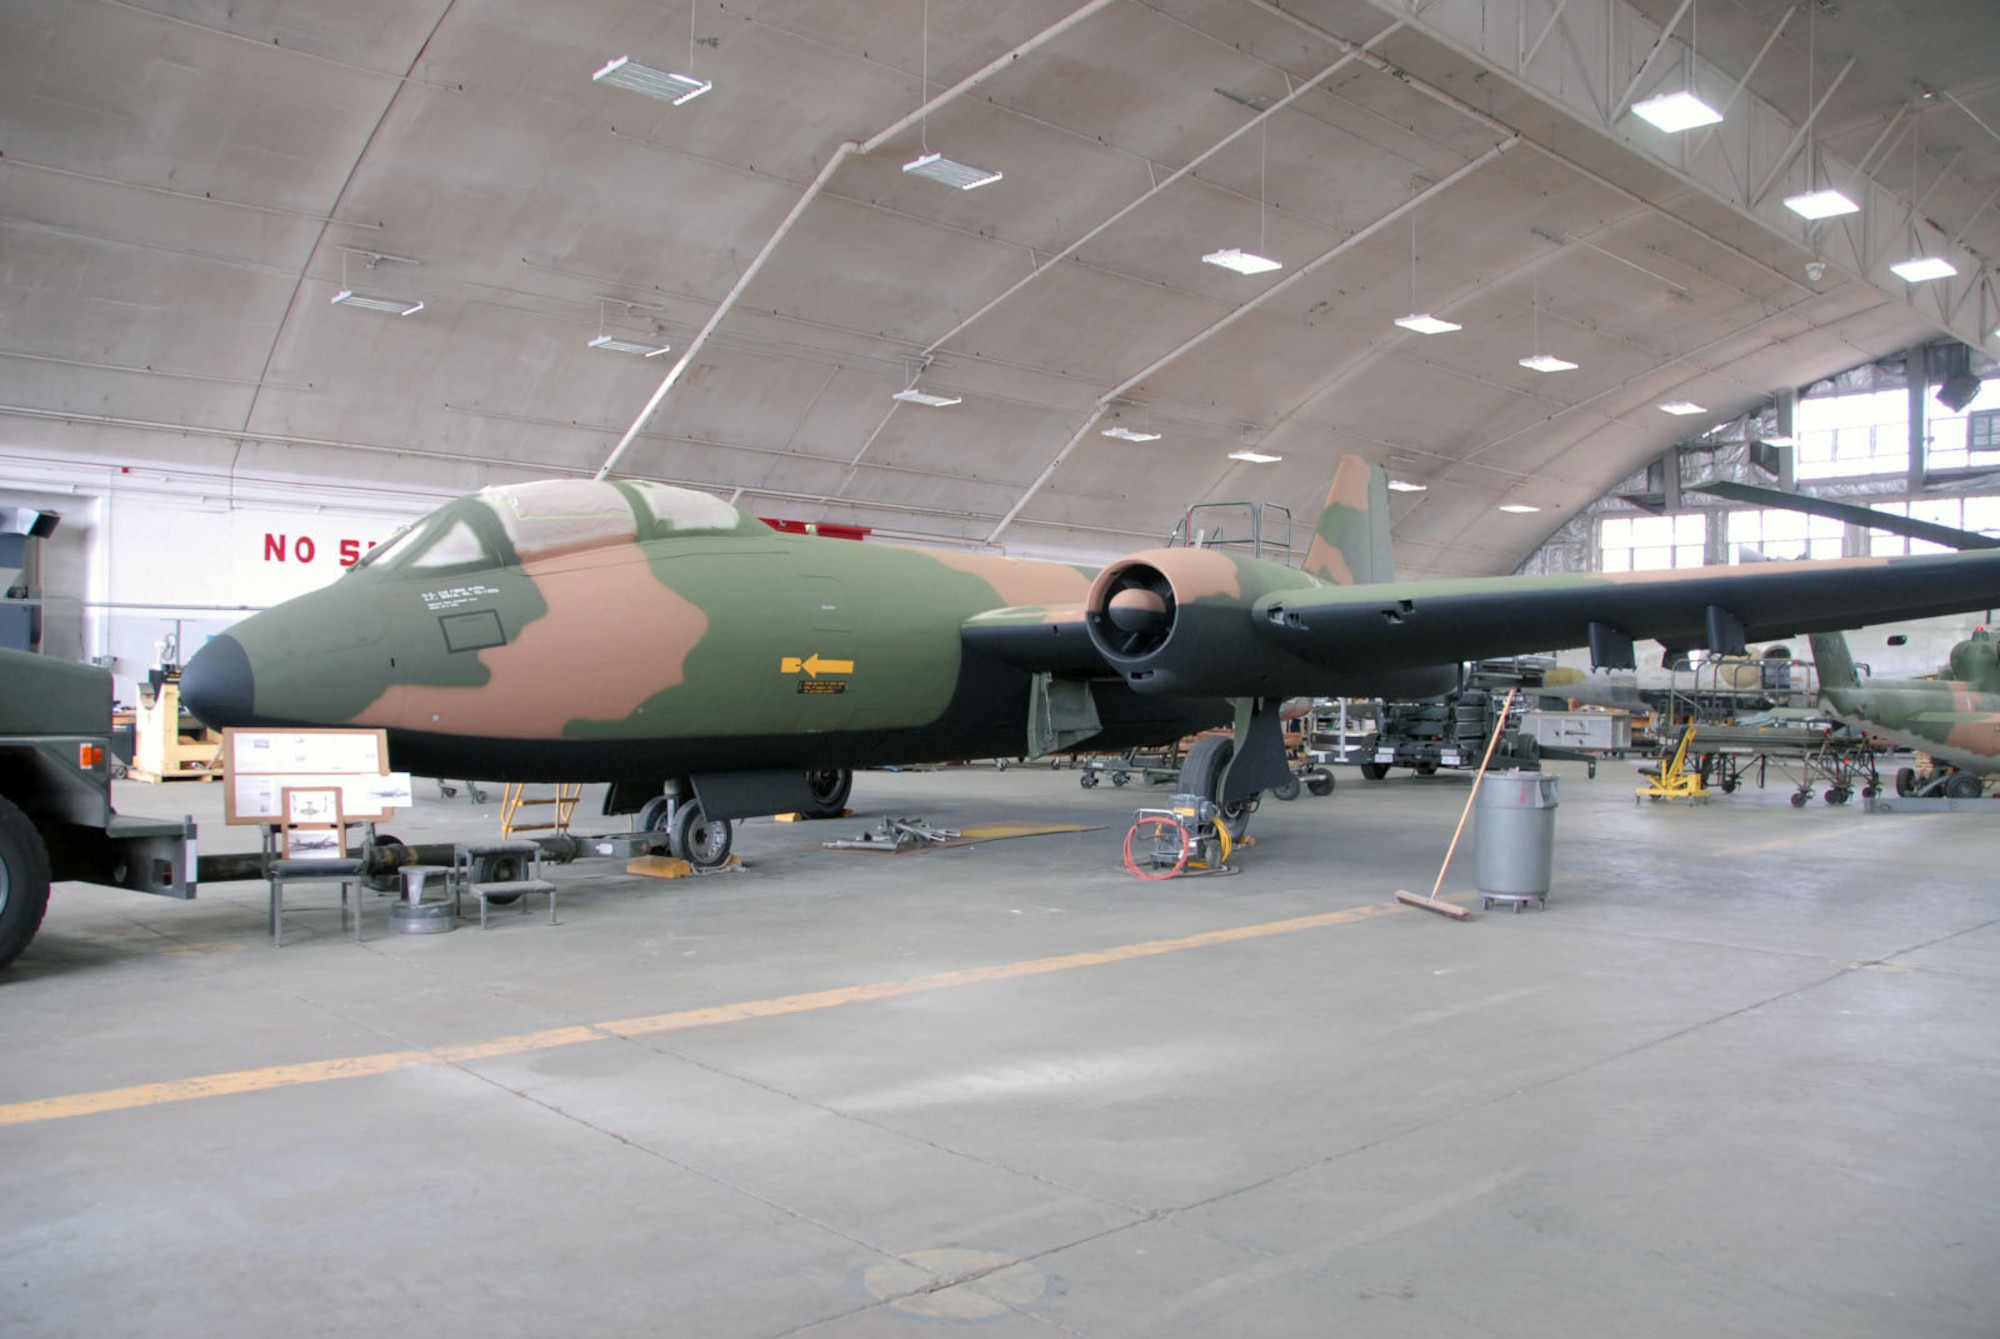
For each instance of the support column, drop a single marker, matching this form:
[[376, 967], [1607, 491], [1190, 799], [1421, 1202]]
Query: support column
[[1916, 368]]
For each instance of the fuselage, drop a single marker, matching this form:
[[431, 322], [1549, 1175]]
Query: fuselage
[[1949, 719], [591, 631]]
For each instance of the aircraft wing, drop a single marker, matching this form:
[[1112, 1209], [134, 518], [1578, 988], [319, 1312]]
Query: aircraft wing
[[1187, 622]]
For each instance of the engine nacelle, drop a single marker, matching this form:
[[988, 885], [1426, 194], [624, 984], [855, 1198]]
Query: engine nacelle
[[1179, 621]]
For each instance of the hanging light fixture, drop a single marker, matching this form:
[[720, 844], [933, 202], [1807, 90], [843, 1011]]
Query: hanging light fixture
[[1683, 109], [1539, 361], [617, 344], [1920, 268], [1422, 322], [347, 297], [935, 166], [1249, 262], [1250, 455], [673, 89], [1816, 202], [911, 395]]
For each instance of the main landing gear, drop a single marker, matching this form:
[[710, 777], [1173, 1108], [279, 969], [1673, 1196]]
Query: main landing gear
[[703, 841], [692, 835], [1221, 781]]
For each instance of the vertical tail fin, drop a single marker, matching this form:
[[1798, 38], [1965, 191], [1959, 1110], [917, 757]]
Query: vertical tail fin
[[1351, 546], [1833, 661]]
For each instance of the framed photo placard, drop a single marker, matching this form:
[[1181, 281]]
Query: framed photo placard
[[311, 825]]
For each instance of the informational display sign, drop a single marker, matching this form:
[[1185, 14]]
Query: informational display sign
[[263, 764]]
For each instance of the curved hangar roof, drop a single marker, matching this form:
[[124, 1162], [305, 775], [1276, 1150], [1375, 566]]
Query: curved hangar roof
[[187, 185]]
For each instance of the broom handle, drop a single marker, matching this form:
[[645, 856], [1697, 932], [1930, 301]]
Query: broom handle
[[1498, 725]]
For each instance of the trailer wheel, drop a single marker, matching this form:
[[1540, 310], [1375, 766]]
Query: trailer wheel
[[24, 881]]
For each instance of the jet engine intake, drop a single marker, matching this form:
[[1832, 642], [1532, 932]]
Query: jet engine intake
[[1177, 621]]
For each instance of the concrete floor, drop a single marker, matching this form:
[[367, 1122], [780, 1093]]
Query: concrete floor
[[1742, 1077]]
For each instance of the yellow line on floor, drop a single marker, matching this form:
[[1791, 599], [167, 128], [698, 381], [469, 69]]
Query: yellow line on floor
[[325, 1071]]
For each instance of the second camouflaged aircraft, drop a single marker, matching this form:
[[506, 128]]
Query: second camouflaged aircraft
[[712, 668], [1956, 721]]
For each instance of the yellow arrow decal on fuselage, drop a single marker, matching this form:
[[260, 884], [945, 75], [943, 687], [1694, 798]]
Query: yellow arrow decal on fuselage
[[813, 666]]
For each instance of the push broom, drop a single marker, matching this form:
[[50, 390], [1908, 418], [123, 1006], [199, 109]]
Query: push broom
[[1434, 902]]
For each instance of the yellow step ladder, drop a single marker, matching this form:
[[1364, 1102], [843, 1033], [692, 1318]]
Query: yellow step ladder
[[561, 804]]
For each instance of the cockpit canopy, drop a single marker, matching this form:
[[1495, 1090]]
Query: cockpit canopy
[[518, 522]]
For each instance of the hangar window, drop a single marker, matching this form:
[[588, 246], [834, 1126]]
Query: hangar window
[[1956, 435], [1650, 543], [1981, 514], [1755, 535], [1849, 436]]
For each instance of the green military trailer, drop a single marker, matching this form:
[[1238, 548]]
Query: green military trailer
[[56, 820]]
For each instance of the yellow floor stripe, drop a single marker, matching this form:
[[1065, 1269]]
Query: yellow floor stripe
[[325, 1071]]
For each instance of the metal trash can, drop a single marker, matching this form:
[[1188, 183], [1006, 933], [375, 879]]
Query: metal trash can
[[1514, 837]]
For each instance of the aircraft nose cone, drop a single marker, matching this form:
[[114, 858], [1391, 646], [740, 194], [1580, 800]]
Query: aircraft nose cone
[[217, 685]]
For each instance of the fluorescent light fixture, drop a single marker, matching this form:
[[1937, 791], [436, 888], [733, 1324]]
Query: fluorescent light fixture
[[1254, 456], [1405, 486], [1125, 434], [1548, 362], [617, 345], [937, 167], [1779, 439], [1675, 112], [1243, 262], [1682, 407], [1825, 204], [1925, 267], [915, 396], [347, 297], [1518, 508], [1426, 324], [675, 88]]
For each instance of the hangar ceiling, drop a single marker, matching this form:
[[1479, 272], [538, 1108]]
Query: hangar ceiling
[[186, 184]]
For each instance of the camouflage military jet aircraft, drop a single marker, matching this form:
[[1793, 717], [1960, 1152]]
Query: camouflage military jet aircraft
[[712, 668], [1955, 720]]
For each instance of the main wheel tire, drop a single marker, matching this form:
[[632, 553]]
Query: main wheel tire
[[1962, 786], [24, 881], [830, 790], [653, 815], [1201, 774], [698, 839], [1201, 770]]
